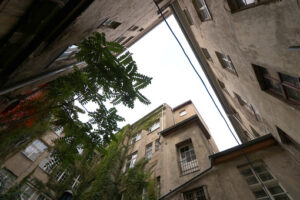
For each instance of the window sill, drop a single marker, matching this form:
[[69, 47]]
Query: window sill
[[283, 100]]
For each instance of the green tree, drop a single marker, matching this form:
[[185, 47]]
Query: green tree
[[110, 181], [106, 78]]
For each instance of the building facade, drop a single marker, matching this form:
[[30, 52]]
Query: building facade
[[248, 50], [188, 166]]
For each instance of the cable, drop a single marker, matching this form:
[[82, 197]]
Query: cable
[[214, 102]]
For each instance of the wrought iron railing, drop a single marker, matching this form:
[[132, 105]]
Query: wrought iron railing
[[188, 167]]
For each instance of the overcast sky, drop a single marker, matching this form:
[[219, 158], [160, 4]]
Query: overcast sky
[[159, 56]]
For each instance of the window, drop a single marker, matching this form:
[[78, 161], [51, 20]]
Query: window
[[273, 187], [27, 192], [182, 113], [196, 194], [248, 107], [206, 54], [119, 39], [279, 84], [187, 159], [49, 163], [133, 28], [34, 150], [286, 139], [128, 39], [41, 197], [6, 180], [136, 138], [226, 62], [158, 186], [237, 5], [202, 10], [131, 161], [148, 152], [154, 126], [110, 24], [188, 16], [61, 176], [157, 144], [76, 182], [57, 131]]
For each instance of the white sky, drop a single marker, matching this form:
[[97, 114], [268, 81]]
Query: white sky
[[159, 56]]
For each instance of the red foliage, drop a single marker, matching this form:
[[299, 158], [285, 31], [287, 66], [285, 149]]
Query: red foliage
[[26, 108]]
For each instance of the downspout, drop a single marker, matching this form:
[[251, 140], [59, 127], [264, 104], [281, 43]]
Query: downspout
[[187, 182], [36, 79]]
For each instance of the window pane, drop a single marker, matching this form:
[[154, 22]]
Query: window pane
[[273, 85], [259, 169], [290, 79], [251, 180], [189, 196], [282, 197], [246, 172], [40, 145], [292, 93], [260, 193], [275, 190], [265, 176], [6, 180]]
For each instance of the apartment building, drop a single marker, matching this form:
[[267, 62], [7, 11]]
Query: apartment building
[[188, 166], [33, 167], [250, 52]]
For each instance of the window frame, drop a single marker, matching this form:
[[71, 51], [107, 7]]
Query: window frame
[[226, 63], [199, 10], [182, 113], [263, 74], [8, 179], [148, 151], [250, 5], [206, 54], [202, 189], [157, 123], [187, 166], [269, 183], [33, 147]]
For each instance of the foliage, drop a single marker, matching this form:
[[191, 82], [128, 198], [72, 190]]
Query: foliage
[[106, 78], [109, 181]]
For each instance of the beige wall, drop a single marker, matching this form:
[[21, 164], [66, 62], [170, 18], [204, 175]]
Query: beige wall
[[260, 35], [224, 181]]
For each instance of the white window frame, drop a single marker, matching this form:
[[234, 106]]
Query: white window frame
[[27, 187], [254, 187], [34, 150], [148, 151], [61, 176], [154, 126], [185, 165], [7, 179], [76, 182], [49, 163], [136, 138]]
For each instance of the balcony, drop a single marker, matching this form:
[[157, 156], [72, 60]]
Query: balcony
[[188, 167]]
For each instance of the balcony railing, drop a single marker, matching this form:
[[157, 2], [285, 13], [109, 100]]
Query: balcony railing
[[188, 167]]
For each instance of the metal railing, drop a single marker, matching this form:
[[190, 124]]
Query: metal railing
[[188, 167]]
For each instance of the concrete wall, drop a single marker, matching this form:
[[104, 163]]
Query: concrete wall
[[260, 35], [224, 181]]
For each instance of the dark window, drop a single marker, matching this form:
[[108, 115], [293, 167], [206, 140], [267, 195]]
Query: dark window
[[133, 28], [110, 24], [157, 144], [237, 5], [128, 39], [283, 85], [226, 62], [188, 16], [248, 107], [119, 39], [206, 54], [196, 194], [141, 29], [202, 10], [286, 139]]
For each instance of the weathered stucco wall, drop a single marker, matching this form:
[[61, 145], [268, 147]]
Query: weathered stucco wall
[[224, 181], [260, 35]]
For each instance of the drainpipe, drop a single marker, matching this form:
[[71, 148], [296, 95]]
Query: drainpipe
[[187, 182], [36, 79]]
